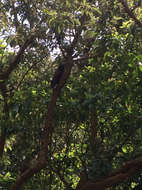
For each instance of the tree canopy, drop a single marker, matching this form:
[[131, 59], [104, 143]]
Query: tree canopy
[[84, 131]]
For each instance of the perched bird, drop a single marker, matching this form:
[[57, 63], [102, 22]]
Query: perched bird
[[57, 76]]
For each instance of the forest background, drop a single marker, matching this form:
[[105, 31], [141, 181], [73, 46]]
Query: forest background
[[86, 132]]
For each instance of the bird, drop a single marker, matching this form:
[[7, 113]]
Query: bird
[[57, 76]]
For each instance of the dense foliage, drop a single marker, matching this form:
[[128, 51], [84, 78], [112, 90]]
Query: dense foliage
[[85, 133]]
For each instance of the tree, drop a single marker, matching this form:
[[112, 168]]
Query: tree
[[85, 133]]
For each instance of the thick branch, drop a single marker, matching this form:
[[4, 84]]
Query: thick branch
[[48, 125], [125, 172], [41, 161], [130, 13], [48, 128], [68, 66]]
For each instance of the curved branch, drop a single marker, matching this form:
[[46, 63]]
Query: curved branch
[[26, 175], [125, 172]]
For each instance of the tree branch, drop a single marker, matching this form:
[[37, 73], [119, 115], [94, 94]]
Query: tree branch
[[68, 66], [48, 128], [5, 75], [26, 175], [130, 13], [119, 176]]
